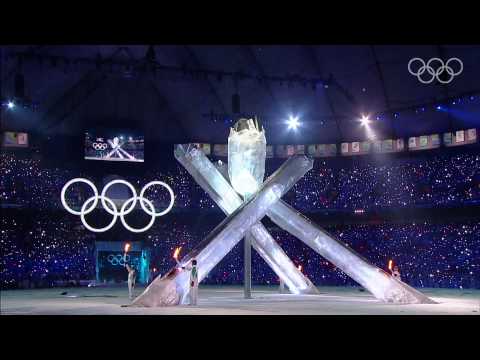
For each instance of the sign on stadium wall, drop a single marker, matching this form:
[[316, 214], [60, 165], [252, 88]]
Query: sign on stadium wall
[[204, 147], [300, 149], [424, 142], [270, 153], [322, 150], [15, 139], [220, 150], [284, 151], [377, 146], [460, 137]]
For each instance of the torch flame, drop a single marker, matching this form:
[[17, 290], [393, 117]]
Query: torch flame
[[127, 247], [390, 263], [176, 252], [300, 267]]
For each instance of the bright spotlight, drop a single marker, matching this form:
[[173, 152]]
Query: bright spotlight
[[11, 104], [293, 122], [364, 120]]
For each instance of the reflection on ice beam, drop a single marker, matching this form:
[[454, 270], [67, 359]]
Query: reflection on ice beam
[[173, 287]]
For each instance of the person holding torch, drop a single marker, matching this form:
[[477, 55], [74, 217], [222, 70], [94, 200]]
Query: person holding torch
[[193, 293], [131, 273], [394, 270]]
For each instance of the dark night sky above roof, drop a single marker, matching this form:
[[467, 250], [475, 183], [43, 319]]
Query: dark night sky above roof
[[171, 107]]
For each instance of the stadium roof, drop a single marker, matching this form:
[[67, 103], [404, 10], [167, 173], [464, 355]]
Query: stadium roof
[[184, 93]]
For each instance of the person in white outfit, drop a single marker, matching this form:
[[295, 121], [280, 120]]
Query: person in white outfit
[[132, 274], [193, 293]]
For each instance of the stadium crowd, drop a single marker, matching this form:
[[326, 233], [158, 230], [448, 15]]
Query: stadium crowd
[[439, 180], [51, 245], [44, 249]]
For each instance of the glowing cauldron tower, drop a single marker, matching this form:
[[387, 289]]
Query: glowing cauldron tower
[[246, 170], [247, 150]]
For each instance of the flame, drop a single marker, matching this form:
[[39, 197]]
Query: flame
[[177, 252], [390, 263], [127, 247], [300, 267]]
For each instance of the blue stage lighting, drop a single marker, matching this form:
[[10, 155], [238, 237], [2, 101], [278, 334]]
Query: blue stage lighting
[[10, 104]]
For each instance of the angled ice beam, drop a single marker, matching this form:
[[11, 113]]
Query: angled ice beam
[[174, 286], [214, 182], [381, 284]]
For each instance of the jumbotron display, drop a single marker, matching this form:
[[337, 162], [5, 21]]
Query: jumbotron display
[[114, 146]]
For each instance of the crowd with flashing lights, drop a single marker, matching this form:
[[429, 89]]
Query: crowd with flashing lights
[[440, 180], [53, 245], [42, 250]]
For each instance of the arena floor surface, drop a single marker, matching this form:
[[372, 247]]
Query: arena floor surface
[[228, 300]]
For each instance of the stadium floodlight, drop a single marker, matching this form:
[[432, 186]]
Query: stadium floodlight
[[364, 120], [293, 122], [10, 104]]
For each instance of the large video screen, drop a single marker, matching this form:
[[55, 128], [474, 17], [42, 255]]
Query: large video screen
[[114, 146]]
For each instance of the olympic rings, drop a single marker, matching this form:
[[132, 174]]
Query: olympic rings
[[151, 213], [127, 207], [83, 213], [172, 197], [89, 183], [99, 146], [113, 182], [435, 74], [118, 259]]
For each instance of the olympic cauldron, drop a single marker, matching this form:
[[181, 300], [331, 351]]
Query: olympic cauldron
[[246, 168]]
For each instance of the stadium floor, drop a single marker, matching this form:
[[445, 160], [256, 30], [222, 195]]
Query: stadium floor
[[228, 300]]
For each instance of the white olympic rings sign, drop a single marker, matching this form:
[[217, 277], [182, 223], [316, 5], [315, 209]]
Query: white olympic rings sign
[[110, 207], [99, 146], [435, 74]]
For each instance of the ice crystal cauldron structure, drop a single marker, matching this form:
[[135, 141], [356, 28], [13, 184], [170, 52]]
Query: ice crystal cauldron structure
[[240, 192]]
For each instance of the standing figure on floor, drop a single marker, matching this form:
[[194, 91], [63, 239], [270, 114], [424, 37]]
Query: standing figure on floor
[[193, 292], [132, 274]]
